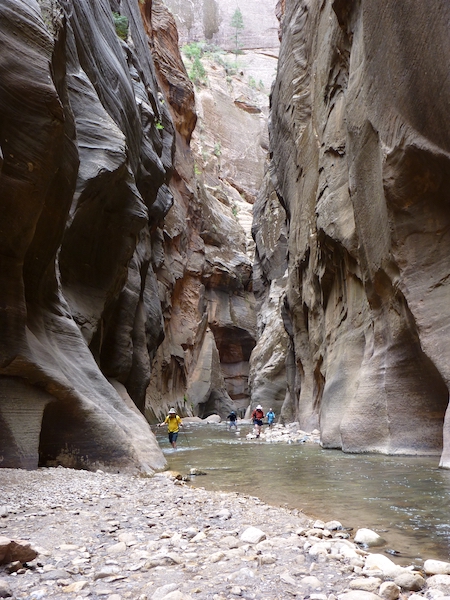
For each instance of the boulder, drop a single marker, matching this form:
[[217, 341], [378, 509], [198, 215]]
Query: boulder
[[368, 538], [252, 535], [436, 567]]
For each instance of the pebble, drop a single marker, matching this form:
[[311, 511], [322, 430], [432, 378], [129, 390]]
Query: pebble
[[119, 537]]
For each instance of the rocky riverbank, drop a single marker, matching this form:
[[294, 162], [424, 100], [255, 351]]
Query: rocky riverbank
[[114, 536]]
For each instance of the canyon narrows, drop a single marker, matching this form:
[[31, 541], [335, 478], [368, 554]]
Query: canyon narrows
[[130, 280]]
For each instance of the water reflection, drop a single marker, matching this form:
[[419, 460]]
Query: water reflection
[[405, 499]]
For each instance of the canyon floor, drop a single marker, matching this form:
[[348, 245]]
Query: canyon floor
[[114, 536]]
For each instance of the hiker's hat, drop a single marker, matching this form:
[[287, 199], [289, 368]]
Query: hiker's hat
[[172, 411], [259, 406]]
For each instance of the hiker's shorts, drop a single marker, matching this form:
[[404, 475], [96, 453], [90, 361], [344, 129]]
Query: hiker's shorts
[[173, 435]]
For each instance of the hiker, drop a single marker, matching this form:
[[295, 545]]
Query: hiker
[[232, 417], [270, 417], [173, 422], [258, 416]]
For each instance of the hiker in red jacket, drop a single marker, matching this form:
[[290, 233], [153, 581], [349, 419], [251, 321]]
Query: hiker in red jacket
[[258, 416]]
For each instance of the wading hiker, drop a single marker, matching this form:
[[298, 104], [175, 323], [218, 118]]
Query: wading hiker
[[232, 417], [258, 416], [173, 422], [270, 417]]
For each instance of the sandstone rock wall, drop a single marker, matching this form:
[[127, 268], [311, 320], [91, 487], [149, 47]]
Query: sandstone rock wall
[[360, 163], [87, 145]]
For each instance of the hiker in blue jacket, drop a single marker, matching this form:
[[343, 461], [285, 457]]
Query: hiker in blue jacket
[[270, 417]]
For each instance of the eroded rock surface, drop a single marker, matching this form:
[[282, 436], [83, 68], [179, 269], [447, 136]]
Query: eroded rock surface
[[360, 165], [127, 284]]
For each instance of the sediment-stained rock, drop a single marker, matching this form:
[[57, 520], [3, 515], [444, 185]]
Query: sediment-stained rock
[[87, 150], [360, 163], [204, 277]]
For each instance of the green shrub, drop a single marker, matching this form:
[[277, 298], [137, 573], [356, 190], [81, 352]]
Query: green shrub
[[121, 24], [197, 72], [193, 50]]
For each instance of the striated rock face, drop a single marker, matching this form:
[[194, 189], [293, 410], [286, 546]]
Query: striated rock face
[[126, 285], [268, 372], [360, 163], [87, 147], [202, 365], [205, 275]]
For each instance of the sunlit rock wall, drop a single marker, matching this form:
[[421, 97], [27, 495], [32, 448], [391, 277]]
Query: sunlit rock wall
[[360, 162], [87, 146]]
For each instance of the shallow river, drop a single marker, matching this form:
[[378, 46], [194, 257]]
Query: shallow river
[[404, 499]]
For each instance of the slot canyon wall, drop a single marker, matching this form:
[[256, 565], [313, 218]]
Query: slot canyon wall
[[359, 144], [128, 279], [126, 284]]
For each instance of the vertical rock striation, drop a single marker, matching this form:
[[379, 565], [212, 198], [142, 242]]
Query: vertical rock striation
[[360, 164], [87, 149]]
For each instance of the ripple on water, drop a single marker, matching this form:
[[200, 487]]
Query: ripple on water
[[405, 498]]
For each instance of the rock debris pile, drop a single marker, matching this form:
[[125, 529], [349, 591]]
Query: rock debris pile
[[289, 434], [114, 536]]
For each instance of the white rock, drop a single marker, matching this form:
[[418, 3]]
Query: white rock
[[212, 419], [236, 591], [199, 537], [242, 575], [229, 541], [311, 582], [127, 538], [349, 552], [382, 563], [162, 591], [434, 595], [216, 557], [319, 524], [439, 582], [5, 590], [358, 595], [412, 582], [75, 587], [389, 590], [436, 567], [366, 584], [117, 548], [253, 535], [267, 559], [369, 538], [320, 548], [287, 578], [333, 525]]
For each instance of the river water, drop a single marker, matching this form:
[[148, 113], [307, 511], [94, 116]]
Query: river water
[[405, 499]]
